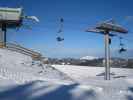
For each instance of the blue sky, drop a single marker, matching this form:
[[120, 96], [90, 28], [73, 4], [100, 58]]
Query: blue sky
[[78, 15]]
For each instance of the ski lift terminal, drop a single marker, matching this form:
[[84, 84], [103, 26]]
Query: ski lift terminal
[[11, 18]]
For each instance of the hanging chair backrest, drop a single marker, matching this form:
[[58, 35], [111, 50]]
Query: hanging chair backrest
[[122, 50], [59, 39]]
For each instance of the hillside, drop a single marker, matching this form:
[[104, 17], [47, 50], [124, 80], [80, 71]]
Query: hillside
[[22, 78], [22, 68]]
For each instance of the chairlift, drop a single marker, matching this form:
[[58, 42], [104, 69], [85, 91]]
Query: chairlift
[[59, 37], [122, 49]]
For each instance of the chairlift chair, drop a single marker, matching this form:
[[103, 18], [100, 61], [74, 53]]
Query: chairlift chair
[[122, 49], [60, 38]]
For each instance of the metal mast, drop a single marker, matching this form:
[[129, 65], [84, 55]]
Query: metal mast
[[107, 56]]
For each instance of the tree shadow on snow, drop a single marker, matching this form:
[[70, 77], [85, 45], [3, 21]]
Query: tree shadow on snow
[[64, 93], [61, 93], [19, 92], [88, 95], [24, 92]]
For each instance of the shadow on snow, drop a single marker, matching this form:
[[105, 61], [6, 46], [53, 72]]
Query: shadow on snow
[[24, 92]]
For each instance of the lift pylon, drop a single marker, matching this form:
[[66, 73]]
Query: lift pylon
[[105, 28]]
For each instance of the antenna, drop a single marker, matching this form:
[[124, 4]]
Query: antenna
[[105, 28]]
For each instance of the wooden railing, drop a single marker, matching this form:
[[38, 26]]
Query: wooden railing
[[23, 50]]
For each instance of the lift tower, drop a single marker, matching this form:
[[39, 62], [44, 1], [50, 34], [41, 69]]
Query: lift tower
[[11, 18], [105, 28]]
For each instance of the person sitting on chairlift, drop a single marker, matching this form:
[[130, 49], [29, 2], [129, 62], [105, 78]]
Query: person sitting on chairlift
[[122, 50], [59, 39]]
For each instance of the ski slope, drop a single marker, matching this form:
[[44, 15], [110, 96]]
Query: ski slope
[[22, 68], [80, 73], [21, 78], [120, 87]]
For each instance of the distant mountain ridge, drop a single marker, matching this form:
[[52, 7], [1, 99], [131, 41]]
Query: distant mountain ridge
[[88, 58]]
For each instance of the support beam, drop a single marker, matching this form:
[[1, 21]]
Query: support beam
[[4, 30], [1, 39], [107, 57]]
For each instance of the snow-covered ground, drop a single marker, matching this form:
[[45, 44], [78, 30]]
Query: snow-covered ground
[[83, 74], [120, 87], [21, 78], [22, 68]]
